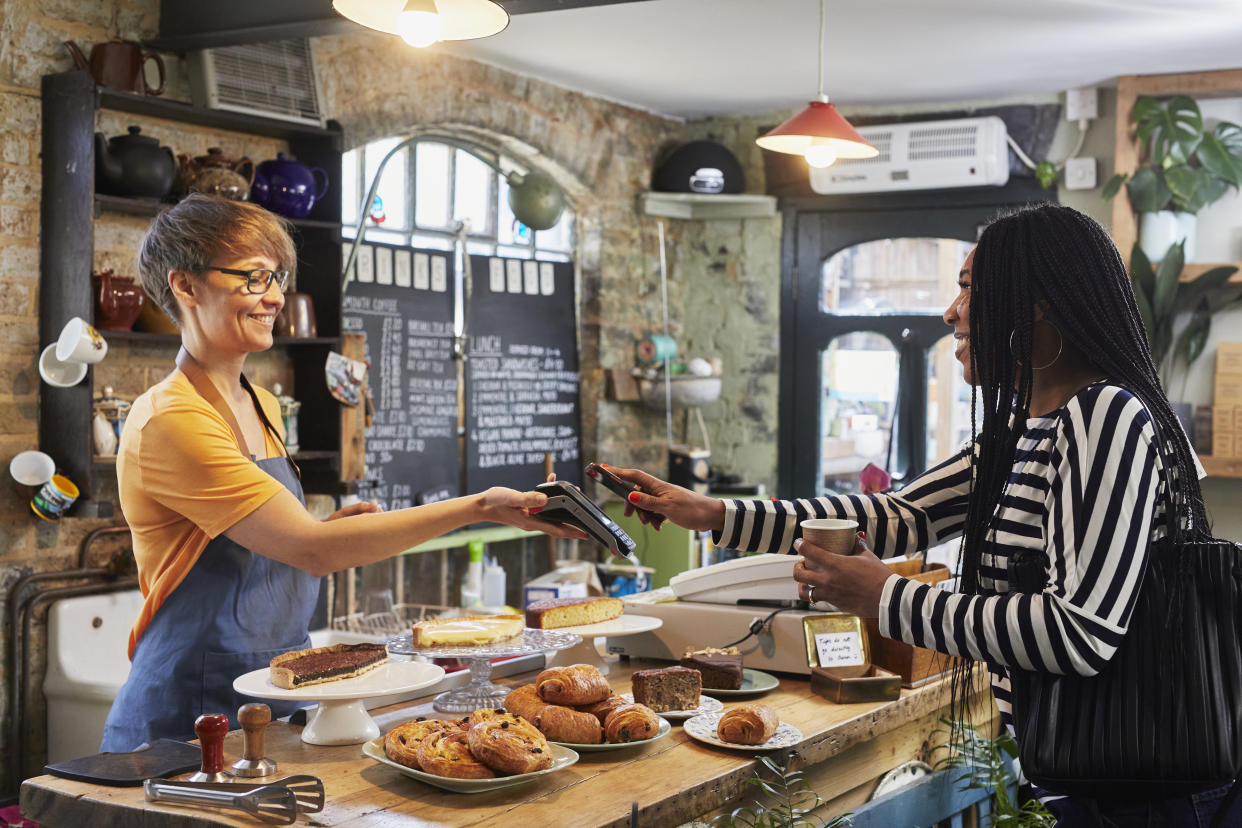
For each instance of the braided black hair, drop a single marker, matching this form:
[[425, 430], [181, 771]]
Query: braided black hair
[[1057, 258]]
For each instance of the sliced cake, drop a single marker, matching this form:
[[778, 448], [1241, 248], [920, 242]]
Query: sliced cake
[[668, 688], [466, 630], [316, 665], [720, 669], [571, 612]]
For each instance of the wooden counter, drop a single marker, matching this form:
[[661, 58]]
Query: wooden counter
[[673, 780]]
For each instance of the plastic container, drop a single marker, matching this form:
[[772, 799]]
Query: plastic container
[[472, 586], [494, 583]]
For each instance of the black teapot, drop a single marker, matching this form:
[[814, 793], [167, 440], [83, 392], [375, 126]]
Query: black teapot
[[133, 165]]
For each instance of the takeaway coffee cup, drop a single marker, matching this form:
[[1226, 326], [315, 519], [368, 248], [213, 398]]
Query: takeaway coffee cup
[[54, 498], [80, 342], [58, 373], [833, 534]]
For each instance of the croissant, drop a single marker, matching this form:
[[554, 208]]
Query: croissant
[[748, 724], [525, 702], [448, 754], [576, 684], [631, 723], [509, 745], [401, 743], [564, 724], [600, 710]]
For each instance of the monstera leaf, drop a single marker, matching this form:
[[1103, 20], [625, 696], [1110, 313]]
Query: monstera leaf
[[1221, 152], [1171, 130]]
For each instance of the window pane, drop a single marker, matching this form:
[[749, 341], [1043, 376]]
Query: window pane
[[431, 242], [473, 193], [390, 212], [349, 187], [559, 237], [548, 256], [480, 248], [514, 252], [508, 229], [948, 403], [859, 375], [892, 275], [431, 202]]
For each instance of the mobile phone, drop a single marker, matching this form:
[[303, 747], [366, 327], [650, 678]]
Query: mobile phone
[[620, 488]]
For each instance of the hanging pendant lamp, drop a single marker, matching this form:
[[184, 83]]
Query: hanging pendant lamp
[[819, 132], [424, 22]]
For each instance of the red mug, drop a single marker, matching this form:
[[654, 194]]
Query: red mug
[[119, 64]]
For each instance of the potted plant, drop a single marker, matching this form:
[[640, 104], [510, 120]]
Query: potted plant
[[1187, 169], [1164, 300]]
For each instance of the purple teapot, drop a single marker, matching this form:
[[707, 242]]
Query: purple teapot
[[288, 187]]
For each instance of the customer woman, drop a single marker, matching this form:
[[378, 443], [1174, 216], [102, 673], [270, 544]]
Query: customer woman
[[229, 560], [1067, 465]]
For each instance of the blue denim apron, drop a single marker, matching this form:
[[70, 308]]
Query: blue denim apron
[[234, 611]]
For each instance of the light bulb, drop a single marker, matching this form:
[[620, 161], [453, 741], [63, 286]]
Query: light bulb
[[420, 28], [820, 156]]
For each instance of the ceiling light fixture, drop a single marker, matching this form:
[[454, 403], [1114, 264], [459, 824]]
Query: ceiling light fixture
[[819, 133], [424, 22]]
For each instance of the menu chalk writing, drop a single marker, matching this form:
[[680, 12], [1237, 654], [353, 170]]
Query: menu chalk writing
[[522, 380], [411, 446], [839, 649]]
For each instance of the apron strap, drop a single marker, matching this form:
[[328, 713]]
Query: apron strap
[[198, 378]]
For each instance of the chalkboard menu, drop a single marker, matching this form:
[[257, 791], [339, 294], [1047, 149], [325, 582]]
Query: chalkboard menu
[[402, 300], [522, 378]]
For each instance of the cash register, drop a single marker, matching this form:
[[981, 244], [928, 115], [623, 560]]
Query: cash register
[[717, 605]]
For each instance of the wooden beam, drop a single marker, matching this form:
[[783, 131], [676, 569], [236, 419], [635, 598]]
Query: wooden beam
[[1225, 83]]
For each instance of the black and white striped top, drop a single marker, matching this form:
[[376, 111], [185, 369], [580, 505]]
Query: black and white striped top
[[1085, 489]]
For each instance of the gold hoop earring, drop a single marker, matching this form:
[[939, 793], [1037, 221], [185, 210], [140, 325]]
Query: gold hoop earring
[[1060, 347]]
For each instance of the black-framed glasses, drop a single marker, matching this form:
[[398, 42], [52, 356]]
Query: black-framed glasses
[[257, 281]]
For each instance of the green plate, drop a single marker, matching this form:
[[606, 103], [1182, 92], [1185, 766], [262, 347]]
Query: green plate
[[563, 757], [753, 682]]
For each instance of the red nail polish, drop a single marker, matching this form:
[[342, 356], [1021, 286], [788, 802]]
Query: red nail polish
[[862, 535], [633, 497], [534, 509]]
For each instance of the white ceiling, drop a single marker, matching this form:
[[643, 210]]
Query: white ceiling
[[694, 58]]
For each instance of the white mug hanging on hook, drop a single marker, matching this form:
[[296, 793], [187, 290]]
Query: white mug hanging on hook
[[80, 342]]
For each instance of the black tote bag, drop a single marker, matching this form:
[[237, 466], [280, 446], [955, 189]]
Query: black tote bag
[[1164, 718]]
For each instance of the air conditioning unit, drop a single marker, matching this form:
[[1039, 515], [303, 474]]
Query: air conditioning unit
[[928, 155], [275, 79]]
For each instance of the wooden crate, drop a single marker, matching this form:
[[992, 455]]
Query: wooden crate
[[915, 665]]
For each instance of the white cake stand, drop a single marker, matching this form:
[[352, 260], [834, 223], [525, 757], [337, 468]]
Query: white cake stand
[[588, 652], [480, 692], [341, 718]]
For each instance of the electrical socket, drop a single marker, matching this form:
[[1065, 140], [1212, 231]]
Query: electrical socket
[[1082, 103], [1080, 174]]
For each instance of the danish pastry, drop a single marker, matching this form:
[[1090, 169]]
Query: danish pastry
[[576, 684], [448, 754], [631, 723], [564, 724], [509, 745], [748, 724], [600, 710], [401, 743], [484, 714], [525, 702]]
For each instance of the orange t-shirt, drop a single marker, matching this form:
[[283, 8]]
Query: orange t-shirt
[[183, 481]]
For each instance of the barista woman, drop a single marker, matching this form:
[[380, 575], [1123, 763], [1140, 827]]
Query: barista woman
[[1066, 465], [229, 560]]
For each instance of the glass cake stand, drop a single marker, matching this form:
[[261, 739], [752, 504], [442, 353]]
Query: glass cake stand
[[480, 692]]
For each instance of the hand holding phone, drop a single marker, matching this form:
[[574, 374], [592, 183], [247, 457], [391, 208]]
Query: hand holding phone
[[620, 488]]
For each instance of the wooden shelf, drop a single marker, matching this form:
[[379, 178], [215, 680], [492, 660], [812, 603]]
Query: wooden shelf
[[1221, 466], [151, 206], [703, 206], [1196, 269], [154, 107], [175, 339]]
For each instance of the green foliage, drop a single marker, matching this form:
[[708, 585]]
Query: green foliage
[[1163, 299], [983, 763], [789, 803], [1046, 173], [1187, 169]]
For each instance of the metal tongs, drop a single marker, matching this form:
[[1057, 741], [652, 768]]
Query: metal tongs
[[276, 803]]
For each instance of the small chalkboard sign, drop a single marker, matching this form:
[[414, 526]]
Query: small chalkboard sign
[[402, 300], [522, 380]]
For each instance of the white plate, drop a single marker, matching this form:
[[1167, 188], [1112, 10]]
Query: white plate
[[625, 625], [703, 728], [665, 727], [706, 705], [390, 678], [753, 681], [562, 757]]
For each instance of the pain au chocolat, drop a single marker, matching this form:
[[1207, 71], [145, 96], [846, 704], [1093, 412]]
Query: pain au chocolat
[[302, 668]]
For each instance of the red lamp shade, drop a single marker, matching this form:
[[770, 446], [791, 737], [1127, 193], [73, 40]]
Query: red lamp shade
[[819, 125]]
